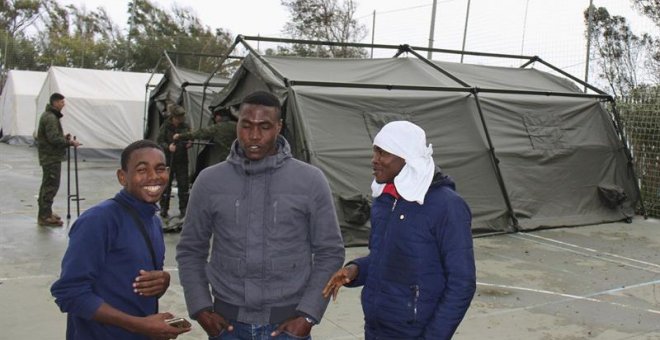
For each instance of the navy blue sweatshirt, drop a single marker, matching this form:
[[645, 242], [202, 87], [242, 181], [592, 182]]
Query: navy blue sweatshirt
[[105, 254]]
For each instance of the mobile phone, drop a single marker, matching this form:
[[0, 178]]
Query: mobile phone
[[178, 322]]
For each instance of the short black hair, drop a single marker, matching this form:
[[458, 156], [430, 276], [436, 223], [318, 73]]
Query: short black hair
[[54, 97], [264, 98], [141, 144]]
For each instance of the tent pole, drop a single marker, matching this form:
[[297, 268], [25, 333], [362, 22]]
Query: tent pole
[[433, 65], [631, 167], [383, 46], [432, 30], [495, 162], [258, 56], [530, 61], [373, 33], [590, 29], [207, 82], [293, 82], [467, 17], [145, 113], [570, 76]]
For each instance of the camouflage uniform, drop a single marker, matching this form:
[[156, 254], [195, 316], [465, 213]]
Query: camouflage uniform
[[178, 162], [51, 146], [222, 135]]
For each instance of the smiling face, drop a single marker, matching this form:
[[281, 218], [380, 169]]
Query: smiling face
[[386, 166], [146, 174], [257, 130]]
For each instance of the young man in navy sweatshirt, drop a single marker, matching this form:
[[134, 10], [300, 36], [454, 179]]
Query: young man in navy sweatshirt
[[112, 271]]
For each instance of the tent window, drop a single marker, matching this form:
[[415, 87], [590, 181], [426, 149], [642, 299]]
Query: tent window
[[374, 121], [544, 130]]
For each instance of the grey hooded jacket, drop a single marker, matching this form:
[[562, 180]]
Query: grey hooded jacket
[[273, 236]]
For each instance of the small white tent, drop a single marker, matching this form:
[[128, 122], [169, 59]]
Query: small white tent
[[18, 107], [104, 109]]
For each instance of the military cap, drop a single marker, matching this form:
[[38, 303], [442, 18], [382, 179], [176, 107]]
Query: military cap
[[177, 111]]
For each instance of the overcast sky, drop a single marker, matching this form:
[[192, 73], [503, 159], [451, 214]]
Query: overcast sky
[[553, 30]]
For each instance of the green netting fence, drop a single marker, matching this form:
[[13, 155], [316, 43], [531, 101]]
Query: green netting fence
[[640, 117]]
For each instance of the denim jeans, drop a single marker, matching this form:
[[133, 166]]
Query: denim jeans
[[245, 331]]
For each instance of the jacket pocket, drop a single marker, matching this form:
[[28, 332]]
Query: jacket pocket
[[229, 265], [289, 275], [290, 219]]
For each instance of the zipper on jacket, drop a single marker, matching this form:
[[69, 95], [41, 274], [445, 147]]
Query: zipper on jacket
[[394, 204], [237, 210], [414, 289], [275, 213]]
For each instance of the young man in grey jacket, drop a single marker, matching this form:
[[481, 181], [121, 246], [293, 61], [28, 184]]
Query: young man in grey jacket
[[269, 223]]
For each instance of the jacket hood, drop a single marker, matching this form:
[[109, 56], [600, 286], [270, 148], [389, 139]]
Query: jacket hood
[[250, 167], [442, 180]]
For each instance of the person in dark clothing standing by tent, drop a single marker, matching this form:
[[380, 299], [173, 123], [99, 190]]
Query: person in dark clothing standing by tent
[[221, 134], [177, 158], [419, 277], [51, 146]]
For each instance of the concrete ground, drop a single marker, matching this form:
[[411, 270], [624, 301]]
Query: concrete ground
[[593, 282]]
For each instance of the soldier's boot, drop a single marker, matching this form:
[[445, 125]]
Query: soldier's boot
[[50, 221]]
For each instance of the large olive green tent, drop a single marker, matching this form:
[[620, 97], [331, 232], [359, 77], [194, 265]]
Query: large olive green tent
[[527, 149]]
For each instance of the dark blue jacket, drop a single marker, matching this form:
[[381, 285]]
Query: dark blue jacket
[[419, 276], [105, 254]]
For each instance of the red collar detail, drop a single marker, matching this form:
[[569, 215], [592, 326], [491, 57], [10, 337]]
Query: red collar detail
[[391, 189]]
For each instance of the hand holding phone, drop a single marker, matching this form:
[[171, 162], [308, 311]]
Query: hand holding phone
[[178, 322]]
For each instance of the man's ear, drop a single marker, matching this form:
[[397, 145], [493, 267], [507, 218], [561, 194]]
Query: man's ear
[[121, 177]]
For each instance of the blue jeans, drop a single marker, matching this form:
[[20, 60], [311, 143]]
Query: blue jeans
[[245, 331]]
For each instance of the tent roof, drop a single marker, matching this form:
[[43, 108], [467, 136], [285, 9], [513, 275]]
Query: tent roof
[[105, 109], [101, 84], [25, 82], [414, 72], [175, 77], [18, 107], [399, 71]]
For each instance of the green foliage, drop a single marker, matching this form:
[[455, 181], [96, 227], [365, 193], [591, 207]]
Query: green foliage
[[620, 51], [73, 37], [15, 16], [153, 31], [324, 20], [651, 9]]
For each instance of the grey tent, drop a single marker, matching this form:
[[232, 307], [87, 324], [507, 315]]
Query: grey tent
[[191, 89], [526, 148]]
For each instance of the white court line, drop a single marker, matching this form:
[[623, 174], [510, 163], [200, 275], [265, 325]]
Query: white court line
[[596, 251], [657, 271], [569, 297]]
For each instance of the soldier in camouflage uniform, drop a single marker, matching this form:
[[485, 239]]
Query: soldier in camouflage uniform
[[177, 158], [221, 134], [51, 146]]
